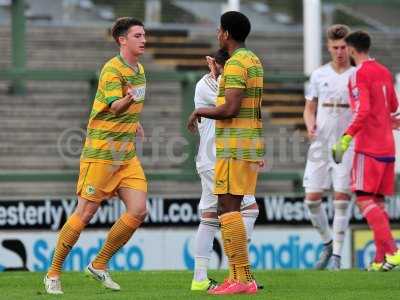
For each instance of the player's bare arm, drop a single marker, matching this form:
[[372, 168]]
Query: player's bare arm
[[121, 105], [309, 113], [140, 131], [212, 66], [228, 110]]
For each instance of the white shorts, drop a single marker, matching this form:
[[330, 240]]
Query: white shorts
[[209, 201], [322, 172]]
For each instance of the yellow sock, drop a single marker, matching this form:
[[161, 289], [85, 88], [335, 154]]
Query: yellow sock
[[67, 238], [119, 234], [235, 246], [232, 273]]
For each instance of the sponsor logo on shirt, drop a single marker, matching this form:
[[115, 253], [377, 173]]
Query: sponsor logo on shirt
[[138, 92], [356, 93]]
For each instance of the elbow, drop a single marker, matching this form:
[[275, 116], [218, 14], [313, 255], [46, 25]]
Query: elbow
[[115, 111], [232, 113]]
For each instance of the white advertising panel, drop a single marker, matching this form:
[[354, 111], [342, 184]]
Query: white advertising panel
[[164, 248]]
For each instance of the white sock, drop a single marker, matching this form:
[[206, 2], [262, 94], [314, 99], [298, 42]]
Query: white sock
[[340, 224], [319, 219], [203, 247], [249, 218]]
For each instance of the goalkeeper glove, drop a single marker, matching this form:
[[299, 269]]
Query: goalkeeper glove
[[340, 148]]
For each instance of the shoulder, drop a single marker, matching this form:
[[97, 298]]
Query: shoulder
[[141, 68], [246, 58], [349, 72], [322, 70], [236, 61], [112, 67], [207, 82], [360, 74]]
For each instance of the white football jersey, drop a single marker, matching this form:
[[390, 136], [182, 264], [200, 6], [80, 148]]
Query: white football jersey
[[331, 89], [205, 96]]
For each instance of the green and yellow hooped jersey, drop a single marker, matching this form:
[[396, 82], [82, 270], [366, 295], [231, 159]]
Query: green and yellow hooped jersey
[[242, 137], [111, 138]]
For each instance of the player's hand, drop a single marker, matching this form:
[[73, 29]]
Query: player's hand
[[131, 92], [312, 133], [129, 97], [261, 164], [140, 132], [341, 147], [192, 122], [212, 66], [395, 121]]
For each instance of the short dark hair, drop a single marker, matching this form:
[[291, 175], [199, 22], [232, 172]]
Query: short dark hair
[[221, 56], [360, 40], [236, 24], [337, 32], [122, 25]]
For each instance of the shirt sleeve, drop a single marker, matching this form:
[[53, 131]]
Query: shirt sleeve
[[206, 92], [112, 85], [361, 98], [311, 91], [235, 75], [198, 95], [394, 104]]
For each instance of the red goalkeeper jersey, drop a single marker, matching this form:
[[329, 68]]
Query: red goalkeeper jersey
[[372, 99]]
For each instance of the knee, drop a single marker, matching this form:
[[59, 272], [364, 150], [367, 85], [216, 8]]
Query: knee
[[86, 216], [140, 214], [314, 206], [364, 201], [341, 204], [210, 221], [224, 208], [228, 204], [341, 207], [313, 197]]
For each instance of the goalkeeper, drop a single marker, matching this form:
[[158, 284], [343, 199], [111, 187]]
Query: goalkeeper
[[373, 99]]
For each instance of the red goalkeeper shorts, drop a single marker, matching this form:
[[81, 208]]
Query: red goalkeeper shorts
[[372, 175]]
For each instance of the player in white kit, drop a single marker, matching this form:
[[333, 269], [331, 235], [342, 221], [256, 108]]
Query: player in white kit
[[327, 114], [205, 96]]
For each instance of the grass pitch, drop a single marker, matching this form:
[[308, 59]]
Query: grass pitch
[[279, 285]]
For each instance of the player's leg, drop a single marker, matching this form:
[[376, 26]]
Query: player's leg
[[319, 220], [249, 211], [365, 177], [376, 220], [341, 205], [132, 190], [316, 180], [377, 264], [392, 254], [67, 238], [209, 224], [342, 202], [233, 179], [373, 177], [89, 199]]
